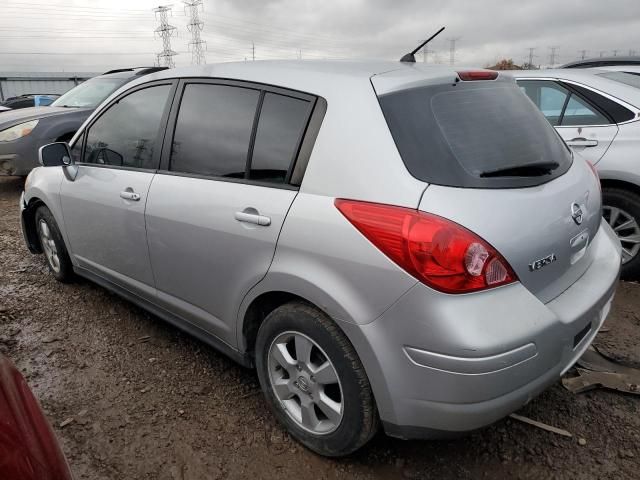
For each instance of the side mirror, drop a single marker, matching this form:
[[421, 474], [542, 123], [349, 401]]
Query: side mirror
[[54, 155]]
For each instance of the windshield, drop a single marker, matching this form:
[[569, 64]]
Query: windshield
[[90, 93], [474, 134], [623, 77]]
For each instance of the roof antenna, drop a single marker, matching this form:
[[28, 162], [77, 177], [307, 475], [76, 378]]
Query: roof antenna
[[411, 57]]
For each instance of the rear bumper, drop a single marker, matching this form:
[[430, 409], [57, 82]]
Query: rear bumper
[[441, 364]]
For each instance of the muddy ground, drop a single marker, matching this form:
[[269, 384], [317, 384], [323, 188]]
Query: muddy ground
[[149, 402]]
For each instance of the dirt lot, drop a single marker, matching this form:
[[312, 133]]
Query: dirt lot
[[150, 402]]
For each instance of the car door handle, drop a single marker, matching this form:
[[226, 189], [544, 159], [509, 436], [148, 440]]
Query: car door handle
[[130, 195], [582, 142], [254, 218]]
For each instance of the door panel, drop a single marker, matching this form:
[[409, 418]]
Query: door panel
[[107, 232], [591, 142], [103, 205], [205, 254]]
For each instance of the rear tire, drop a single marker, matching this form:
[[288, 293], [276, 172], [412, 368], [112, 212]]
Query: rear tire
[[621, 209], [304, 339], [53, 247]]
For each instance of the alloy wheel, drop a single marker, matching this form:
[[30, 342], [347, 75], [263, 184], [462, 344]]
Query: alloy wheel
[[626, 228], [305, 382], [49, 246]]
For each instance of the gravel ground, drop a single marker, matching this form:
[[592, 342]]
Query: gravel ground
[[147, 401]]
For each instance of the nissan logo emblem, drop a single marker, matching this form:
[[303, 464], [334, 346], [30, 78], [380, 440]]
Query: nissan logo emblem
[[576, 213]]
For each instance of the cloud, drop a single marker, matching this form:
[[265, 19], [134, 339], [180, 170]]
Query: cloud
[[89, 36]]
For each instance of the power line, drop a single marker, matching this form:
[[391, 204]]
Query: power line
[[165, 31], [531, 55], [195, 26], [583, 54], [425, 53], [452, 49], [553, 56], [68, 7]]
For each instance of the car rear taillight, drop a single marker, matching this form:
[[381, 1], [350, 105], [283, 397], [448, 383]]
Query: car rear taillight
[[437, 251], [477, 75]]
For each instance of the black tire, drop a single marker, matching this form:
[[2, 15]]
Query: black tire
[[360, 416], [64, 272], [629, 202]]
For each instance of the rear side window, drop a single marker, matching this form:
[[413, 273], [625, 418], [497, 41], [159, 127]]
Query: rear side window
[[213, 130], [125, 135], [578, 112], [280, 129], [616, 112], [561, 106], [238, 132], [474, 134]]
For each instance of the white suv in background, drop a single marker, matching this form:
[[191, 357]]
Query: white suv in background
[[596, 113]]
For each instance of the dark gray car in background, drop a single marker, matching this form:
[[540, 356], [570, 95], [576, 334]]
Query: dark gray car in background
[[24, 131]]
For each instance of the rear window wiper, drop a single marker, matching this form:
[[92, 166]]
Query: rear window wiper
[[536, 169]]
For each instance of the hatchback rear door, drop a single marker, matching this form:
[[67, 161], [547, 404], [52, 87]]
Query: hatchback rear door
[[544, 232], [218, 203], [496, 167]]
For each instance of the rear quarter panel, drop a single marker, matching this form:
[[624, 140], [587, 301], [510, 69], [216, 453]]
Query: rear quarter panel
[[320, 256], [622, 160]]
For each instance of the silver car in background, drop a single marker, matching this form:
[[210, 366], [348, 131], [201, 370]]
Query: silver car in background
[[597, 113], [386, 243]]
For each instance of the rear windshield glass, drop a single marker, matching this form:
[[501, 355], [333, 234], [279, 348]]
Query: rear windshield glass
[[623, 77], [474, 134]]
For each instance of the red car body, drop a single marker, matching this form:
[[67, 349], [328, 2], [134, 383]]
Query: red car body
[[29, 449]]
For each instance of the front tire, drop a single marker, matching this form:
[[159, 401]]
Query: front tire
[[53, 246], [314, 381]]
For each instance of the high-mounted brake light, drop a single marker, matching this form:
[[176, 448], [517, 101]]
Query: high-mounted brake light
[[437, 251], [477, 75]]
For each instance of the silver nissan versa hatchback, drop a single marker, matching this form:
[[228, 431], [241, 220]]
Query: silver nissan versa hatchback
[[386, 243]]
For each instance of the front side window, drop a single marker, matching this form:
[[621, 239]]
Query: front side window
[[213, 130], [126, 134]]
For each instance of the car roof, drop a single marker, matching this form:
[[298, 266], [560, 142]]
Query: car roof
[[590, 77], [315, 76], [635, 69], [130, 72], [603, 62]]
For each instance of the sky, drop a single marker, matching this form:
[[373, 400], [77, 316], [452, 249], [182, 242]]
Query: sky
[[93, 36]]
